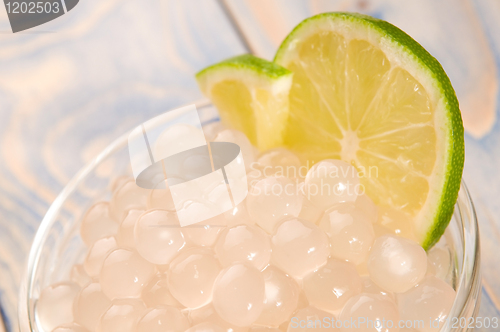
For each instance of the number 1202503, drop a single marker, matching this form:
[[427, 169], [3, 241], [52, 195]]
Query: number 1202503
[[32, 7]]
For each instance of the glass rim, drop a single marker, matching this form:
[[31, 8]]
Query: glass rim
[[468, 281]]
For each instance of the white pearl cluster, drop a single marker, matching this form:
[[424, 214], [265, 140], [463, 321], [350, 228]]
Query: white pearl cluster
[[303, 246]]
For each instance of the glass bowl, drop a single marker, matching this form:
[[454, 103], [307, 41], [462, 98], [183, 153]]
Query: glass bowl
[[57, 244]]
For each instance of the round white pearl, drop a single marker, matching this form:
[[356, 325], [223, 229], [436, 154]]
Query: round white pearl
[[158, 236], [79, 276], [282, 297], [157, 293], [264, 329], [371, 288], [192, 276], [244, 243], [332, 285], [379, 312], [439, 260], [239, 294], [310, 212], [351, 233], [89, 305], [208, 314], [97, 224], [237, 137], [331, 181], [396, 264], [54, 307], [204, 234], [161, 319], [127, 197], [121, 316], [431, 300], [272, 199], [206, 327], [161, 197], [238, 216], [125, 236], [299, 247], [279, 162], [125, 273], [310, 319], [96, 255]]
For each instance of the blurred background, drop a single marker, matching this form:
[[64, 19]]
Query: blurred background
[[71, 86]]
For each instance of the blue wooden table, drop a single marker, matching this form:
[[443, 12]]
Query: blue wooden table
[[69, 87]]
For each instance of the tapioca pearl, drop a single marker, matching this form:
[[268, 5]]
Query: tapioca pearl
[[371, 288], [160, 197], [157, 293], [239, 293], [367, 206], [331, 181], [373, 308], [89, 305], [396, 264], [272, 199], [206, 327], [299, 247], [124, 274], [212, 129], [121, 316], [96, 255], [310, 319], [351, 234], [279, 162], [238, 215], [217, 193], [264, 329], [128, 196], [282, 297], [208, 314], [336, 275], [97, 224], [198, 211], [54, 307], [163, 318], [237, 137], [192, 276], [310, 212], [125, 236], [204, 234], [158, 237], [72, 327], [79, 276], [244, 243], [431, 300], [439, 260]]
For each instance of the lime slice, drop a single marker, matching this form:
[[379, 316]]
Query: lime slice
[[251, 95], [365, 92]]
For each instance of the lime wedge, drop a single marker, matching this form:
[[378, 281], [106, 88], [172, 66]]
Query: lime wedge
[[251, 95], [365, 92]]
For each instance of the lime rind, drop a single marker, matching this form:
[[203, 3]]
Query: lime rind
[[404, 51], [251, 64]]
